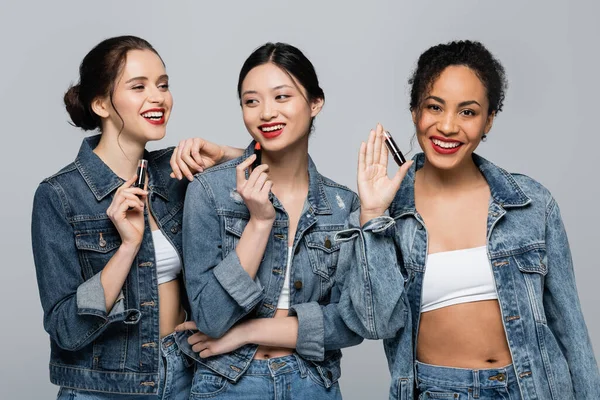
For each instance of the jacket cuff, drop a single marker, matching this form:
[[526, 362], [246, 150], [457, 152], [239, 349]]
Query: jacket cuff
[[311, 331], [91, 301], [237, 283]]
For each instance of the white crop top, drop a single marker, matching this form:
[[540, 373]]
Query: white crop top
[[284, 296], [168, 264], [458, 276]]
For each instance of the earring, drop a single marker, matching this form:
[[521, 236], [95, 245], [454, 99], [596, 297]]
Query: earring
[[484, 137]]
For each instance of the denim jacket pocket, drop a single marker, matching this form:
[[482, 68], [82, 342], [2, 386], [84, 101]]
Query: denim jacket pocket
[[323, 252], [234, 227], [96, 247], [532, 265]]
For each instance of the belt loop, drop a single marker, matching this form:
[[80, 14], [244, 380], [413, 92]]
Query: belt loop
[[301, 366], [475, 384]]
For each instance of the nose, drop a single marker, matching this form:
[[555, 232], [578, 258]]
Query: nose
[[269, 111], [156, 96], [447, 124]]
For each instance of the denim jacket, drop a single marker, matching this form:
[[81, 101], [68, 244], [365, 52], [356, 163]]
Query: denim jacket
[[73, 239], [221, 292], [533, 272]]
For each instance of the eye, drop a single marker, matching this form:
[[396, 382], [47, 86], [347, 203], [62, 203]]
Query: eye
[[250, 102], [282, 97], [434, 107], [138, 87], [164, 86], [468, 113]]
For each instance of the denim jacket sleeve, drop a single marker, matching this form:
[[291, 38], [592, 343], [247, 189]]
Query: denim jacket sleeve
[[74, 309], [219, 289], [321, 327], [563, 310], [373, 302]]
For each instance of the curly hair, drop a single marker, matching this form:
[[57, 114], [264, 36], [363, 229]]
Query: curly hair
[[471, 54]]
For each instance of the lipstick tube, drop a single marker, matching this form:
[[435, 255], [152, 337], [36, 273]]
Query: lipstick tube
[[393, 148], [142, 171], [258, 153]]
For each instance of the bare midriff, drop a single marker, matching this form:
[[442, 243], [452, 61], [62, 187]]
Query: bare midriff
[[171, 311], [467, 335], [266, 352]]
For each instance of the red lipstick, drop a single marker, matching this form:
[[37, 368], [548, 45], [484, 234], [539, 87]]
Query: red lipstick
[[445, 150], [271, 134], [258, 152], [155, 121]]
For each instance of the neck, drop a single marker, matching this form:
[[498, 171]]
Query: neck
[[121, 155], [463, 176], [288, 168]]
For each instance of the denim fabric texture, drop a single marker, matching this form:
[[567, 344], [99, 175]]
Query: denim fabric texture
[[533, 272], [73, 239], [281, 378], [220, 291], [436, 382], [176, 373]]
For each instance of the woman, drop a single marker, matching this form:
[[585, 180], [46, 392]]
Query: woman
[[259, 250], [106, 252], [477, 256]]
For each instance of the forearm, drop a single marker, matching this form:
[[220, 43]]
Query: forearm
[[115, 273], [252, 244], [275, 332], [229, 153]]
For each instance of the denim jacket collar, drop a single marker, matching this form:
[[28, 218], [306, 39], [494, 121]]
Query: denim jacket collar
[[101, 179], [316, 197], [503, 188]]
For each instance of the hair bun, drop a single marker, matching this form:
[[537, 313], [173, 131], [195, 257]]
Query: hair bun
[[81, 116]]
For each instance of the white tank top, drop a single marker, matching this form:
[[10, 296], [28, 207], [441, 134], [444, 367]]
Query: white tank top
[[284, 296], [168, 264], [459, 276]]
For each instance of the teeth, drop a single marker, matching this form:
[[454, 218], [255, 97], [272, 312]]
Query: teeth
[[153, 114], [272, 128], [445, 145]]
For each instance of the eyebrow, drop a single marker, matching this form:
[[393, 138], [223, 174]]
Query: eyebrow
[[461, 104], [275, 88], [143, 78]]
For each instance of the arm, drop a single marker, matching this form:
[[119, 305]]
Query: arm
[[223, 290], [76, 311], [196, 154], [563, 310]]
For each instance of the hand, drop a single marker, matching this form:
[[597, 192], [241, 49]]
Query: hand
[[207, 347], [375, 189], [195, 155], [126, 211], [255, 191]]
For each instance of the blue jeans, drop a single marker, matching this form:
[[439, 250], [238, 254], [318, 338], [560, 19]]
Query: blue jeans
[[281, 378], [176, 374], [465, 384]]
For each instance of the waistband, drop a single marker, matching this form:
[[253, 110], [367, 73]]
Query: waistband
[[276, 366], [449, 377]]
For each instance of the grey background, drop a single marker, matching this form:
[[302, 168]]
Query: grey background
[[363, 53]]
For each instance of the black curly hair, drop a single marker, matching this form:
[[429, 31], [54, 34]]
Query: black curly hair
[[469, 53]]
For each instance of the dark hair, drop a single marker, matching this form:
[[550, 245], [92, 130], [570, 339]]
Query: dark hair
[[471, 54], [291, 60], [98, 73]]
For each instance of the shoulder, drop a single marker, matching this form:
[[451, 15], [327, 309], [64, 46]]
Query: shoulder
[[339, 194], [532, 188]]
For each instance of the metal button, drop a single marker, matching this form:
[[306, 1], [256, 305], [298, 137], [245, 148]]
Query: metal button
[[101, 242], [175, 228], [298, 285], [327, 243], [329, 375]]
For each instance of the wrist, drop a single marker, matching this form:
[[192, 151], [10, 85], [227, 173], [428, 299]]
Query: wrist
[[129, 248], [261, 225], [229, 153], [367, 215]]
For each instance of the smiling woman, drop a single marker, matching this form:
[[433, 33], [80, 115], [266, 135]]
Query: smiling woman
[[106, 252]]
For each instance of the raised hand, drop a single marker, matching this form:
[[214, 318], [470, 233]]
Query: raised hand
[[126, 211], [196, 154], [255, 190], [375, 189]]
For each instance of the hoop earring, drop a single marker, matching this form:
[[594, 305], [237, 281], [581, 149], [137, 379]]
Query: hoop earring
[[484, 137]]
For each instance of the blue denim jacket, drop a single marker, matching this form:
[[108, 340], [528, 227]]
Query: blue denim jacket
[[222, 293], [73, 239], [533, 272]]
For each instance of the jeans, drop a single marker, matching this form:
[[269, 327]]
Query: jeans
[[176, 374], [281, 378], [465, 384]]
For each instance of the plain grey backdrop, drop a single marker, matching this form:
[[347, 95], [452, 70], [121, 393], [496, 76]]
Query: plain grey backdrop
[[363, 53]]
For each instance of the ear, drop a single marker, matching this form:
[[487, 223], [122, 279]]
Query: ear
[[413, 113], [315, 107], [101, 106], [489, 122]]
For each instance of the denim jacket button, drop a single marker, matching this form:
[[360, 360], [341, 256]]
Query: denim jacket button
[[327, 243], [175, 229], [329, 375], [298, 285]]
